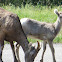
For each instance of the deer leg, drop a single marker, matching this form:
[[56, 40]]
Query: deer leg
[[2, 36], [1, 49], [12, 46], [44, 49], [17, 52], [52, 50]]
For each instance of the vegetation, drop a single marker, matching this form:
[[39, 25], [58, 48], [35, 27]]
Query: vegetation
[[40, 13], [33, 2]]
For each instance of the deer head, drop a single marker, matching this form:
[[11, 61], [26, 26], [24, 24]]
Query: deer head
[[32, 53]]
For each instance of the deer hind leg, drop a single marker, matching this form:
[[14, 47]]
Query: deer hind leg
[[12, 46], [52, 50], [44, 49]]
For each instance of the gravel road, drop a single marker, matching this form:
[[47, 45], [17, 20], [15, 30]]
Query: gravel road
[[8, 56]]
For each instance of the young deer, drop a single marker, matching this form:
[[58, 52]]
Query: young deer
[[43, 31], [11, 30]]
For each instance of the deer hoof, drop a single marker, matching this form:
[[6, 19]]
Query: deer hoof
[[55, 61], [15, 60], [41, 60]]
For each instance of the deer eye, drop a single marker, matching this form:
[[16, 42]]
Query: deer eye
[[60, 13]]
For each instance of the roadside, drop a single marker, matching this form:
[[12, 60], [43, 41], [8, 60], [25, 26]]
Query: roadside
[[8, 57]]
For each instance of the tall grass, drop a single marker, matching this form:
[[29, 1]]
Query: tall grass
[[42, 13]]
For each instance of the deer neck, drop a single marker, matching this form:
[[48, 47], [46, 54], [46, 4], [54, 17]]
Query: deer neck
[[57, 25]]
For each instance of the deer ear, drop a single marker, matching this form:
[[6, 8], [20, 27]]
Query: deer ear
[[56, 12], [38, 47]]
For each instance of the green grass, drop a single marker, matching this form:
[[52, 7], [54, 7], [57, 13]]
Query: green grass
[[42, 14]]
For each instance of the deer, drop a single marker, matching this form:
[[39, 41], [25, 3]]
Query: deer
[[11, 30], [43, 31]]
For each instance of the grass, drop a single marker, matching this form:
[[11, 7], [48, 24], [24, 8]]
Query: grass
[[43, 14]]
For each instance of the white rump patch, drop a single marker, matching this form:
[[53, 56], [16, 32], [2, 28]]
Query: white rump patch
[[23, 20]]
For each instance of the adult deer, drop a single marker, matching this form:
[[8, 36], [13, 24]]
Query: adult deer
[[11, 30]]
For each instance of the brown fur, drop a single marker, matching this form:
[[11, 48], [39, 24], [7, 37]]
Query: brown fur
[[11, 30]]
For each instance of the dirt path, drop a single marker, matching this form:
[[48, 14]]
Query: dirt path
[[8, 57]]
